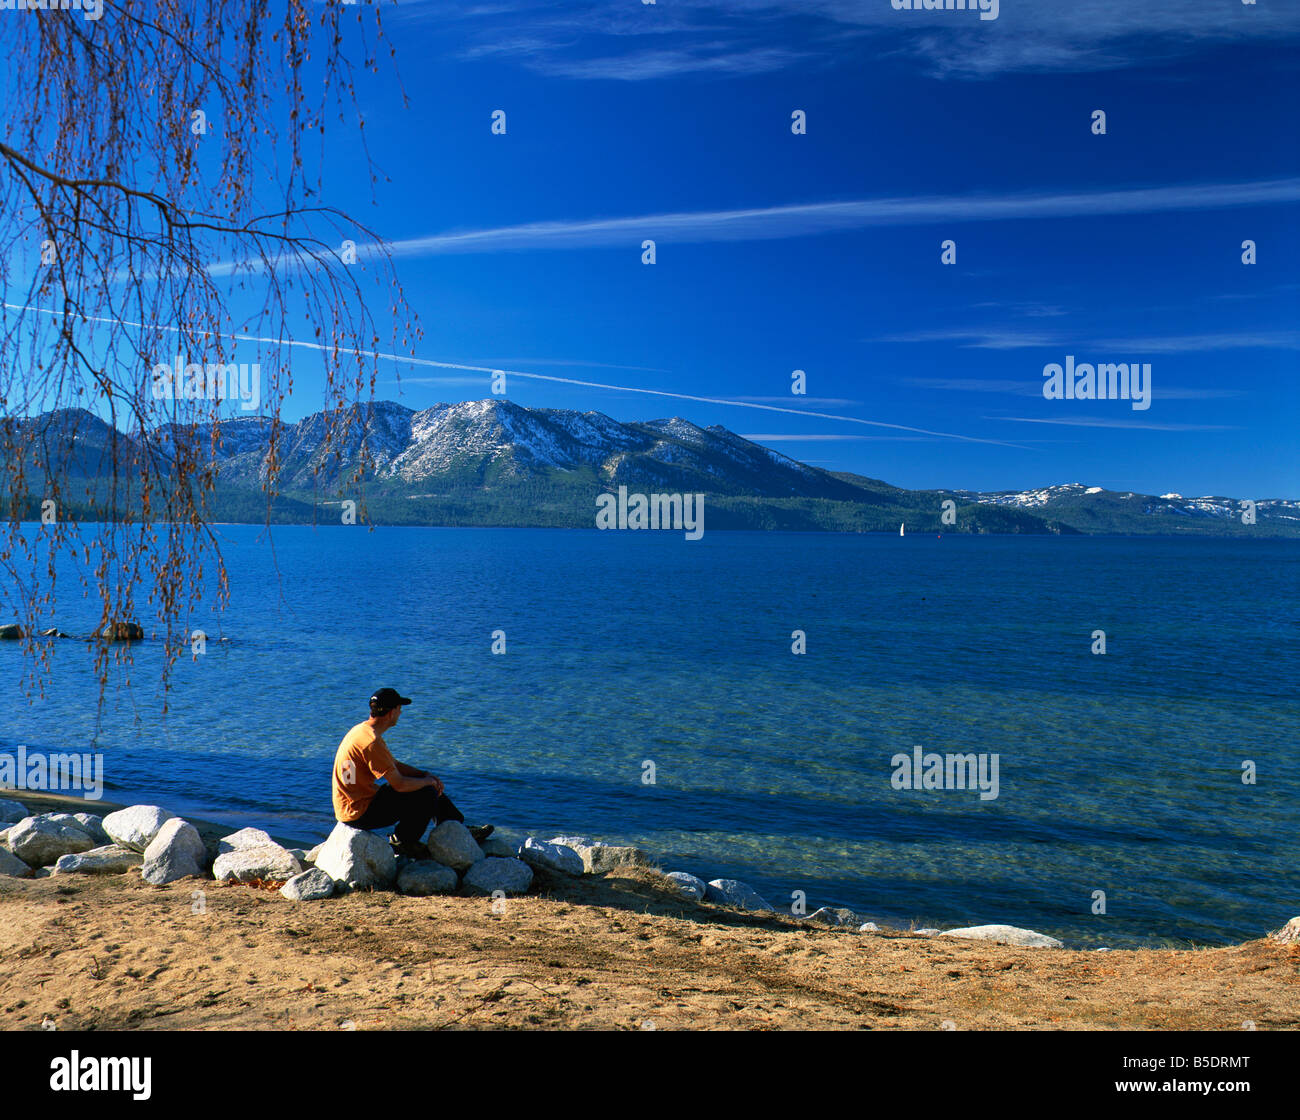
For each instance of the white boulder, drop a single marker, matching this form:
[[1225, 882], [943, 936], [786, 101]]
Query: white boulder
[[136, 826], [10, 864], [551, 857], [690, 885], [834, 916], [497, 846], [310, 886], [176, 852], [93, 827], [599, 859], [1289, 934], [425, 877], [357, 859], [111, 859], [732, 892], [510, 876], [244, 838], [1005, 935], [577, 843], [453, 845], [39, 841], [265, 861]]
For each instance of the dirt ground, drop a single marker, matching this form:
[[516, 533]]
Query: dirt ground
[[618, 952]]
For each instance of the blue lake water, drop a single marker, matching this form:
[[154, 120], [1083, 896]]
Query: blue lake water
[[1119, 773]]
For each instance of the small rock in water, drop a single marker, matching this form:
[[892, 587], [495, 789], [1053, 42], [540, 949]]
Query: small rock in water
[[551, 857], [1006, 935], [136, 826], [122, 631], [310, 886], [112, 859], [692, 886], [425, 877], [732, 892], [453, 845], [176, 852], [512, 876]]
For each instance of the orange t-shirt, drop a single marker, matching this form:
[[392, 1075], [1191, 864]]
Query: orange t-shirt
[[361, 760]]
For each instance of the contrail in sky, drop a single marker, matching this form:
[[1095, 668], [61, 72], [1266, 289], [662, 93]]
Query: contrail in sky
[[761, 223], [429, 362]]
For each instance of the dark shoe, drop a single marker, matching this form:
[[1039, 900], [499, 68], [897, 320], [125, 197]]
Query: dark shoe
[[413, 850], [481, 832]]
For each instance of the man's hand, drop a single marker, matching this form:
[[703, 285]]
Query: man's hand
[[406, 779]]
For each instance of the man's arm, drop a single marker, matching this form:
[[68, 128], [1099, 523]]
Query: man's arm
[[405, 778]]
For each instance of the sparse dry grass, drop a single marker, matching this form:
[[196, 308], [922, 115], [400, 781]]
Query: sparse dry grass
[[619, 951]]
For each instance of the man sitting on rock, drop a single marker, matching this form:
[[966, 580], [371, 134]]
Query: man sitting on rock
[[410, 799]]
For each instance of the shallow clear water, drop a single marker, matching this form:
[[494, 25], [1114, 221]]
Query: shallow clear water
[[1118, 773]]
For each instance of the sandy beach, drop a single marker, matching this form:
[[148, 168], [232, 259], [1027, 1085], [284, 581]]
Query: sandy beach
[[619, 951]]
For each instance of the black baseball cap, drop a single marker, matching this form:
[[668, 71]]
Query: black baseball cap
[[388, 699]]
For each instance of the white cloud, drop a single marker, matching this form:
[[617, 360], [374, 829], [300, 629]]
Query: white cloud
[[982, 339], [764, 437], [810, 219], [1102, 422], [626, 41]]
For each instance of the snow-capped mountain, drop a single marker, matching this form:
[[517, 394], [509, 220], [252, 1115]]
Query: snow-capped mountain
[[1077, 496], [499, 441], [493, 462]]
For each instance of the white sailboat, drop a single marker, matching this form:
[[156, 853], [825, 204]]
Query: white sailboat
[[900, 528]]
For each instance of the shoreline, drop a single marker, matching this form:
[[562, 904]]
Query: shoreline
[[615, 951], [212, 831]]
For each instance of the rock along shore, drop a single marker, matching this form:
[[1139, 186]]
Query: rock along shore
[[163, 848]]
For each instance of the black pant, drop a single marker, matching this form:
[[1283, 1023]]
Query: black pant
[[411, 812]]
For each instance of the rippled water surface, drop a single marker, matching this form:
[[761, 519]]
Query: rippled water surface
[[1119, 773]]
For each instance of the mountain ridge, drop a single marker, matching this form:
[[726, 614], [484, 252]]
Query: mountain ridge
[[494, 461]]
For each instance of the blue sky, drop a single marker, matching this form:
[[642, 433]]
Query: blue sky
[[821, 252]]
